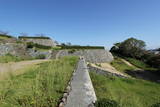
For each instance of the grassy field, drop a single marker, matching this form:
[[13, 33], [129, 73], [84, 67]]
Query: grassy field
[[127, 92], [39, 86]]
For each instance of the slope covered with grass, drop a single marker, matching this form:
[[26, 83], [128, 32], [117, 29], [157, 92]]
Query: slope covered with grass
[[120, 65], [40, 86], [139, 64], [127, 92]]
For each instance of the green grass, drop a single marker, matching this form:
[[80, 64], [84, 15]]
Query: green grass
[[56, 48], [139, 64], [127, 92], [120, 65], [40, 86], [9, 58]]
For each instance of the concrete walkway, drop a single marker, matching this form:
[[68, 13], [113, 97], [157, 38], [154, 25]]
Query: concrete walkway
[[82, 93]]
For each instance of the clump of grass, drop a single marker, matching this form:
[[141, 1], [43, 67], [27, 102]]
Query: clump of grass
[[127, 92], [42, 86]]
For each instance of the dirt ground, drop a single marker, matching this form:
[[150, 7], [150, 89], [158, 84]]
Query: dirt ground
[[13, 66]]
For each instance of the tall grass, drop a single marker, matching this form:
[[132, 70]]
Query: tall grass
[[127, 92], [38, 87]]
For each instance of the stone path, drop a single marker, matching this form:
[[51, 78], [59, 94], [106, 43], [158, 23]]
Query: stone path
[[82, 93]]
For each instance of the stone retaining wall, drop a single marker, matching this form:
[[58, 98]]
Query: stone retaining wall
[[45, 42], [104, 72], [14, 49], [91, 55]]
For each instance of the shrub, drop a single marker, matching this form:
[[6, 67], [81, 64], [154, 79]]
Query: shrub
[[41, 56], [106, 103], [156, 105], [31, 45], [71, 51]]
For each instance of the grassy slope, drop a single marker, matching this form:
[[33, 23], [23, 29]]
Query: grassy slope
[[140, 64], [38, 87], [120, 65], [127, 92]]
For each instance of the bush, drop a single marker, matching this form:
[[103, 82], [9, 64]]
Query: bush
[[106, 103], [31, 45], [72, 51], [41, 56], [156, 105], [154, 61]]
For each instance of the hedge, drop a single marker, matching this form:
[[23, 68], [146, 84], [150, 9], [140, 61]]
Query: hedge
[[81, 47], [31, 45], [8, 36], [33, 37]]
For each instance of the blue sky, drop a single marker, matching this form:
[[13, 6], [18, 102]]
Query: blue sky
[[84, 22]]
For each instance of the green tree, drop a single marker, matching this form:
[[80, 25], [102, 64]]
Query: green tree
[[131, 47]]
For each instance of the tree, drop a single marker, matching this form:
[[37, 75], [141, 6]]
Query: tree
[[132, 47], [63, 44], [154, 61], [115, 48], [68, 44]]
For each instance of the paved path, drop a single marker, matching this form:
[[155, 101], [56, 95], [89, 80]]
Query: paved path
[[82, 93]]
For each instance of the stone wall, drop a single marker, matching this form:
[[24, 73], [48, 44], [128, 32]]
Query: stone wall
[[35, 53], [92, 55], [14, 49], [45, 42], [8, 40], [104, 72]]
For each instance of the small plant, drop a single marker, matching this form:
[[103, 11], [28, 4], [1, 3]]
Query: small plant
[[106, 103], [71, 51], [99, 65]]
